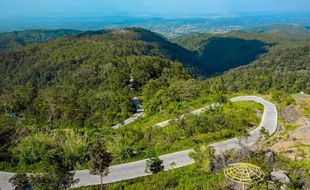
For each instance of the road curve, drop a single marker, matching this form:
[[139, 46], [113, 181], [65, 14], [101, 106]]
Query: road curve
[[268, 121], [176, 159]]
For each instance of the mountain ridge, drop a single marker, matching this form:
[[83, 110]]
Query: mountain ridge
[[18, 39]]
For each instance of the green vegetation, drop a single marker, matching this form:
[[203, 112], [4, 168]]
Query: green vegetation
[[276, 62], [100, 159], [67, 92], [58, 174], [284, 29], [229, 120], [59, 96], [12, 40], [195, 177], [282, 69], [290, 127], [189, 177], [221, 53], [132, 143], [154, 165], [64, 90]]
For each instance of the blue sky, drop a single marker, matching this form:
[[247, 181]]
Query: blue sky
[[163, 7]]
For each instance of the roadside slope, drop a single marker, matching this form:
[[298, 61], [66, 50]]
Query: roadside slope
[[137, 169]]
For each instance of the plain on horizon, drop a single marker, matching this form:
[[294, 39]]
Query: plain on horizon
[[19, 8]]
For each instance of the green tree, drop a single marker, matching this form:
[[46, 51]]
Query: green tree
[[154, 165], [202, 157], [100, 159], [264, 132], [59, 176]]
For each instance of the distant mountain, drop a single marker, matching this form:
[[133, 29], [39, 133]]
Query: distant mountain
[[12, 40], [285, 29]]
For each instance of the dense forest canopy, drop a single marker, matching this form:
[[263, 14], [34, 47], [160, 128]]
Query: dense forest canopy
[[59, 80], [274, 61], [18, 39], [63, 79], [282, 69]]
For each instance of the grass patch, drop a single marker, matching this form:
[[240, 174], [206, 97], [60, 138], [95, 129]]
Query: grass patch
[[290, 127]]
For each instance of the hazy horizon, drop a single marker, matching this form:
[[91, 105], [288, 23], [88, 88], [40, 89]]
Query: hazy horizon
[[151, 14], [177, 8]]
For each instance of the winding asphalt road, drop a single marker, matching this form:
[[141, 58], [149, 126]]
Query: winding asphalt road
[[268, 121], [176, 159]]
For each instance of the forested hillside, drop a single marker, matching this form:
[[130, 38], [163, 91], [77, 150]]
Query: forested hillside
[[59, 87], [272, 61], [76, 80], [17, 39], [219, 53], [282, 69], [58, 80]]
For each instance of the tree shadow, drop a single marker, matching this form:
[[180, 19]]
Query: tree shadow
[[221, 54]]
